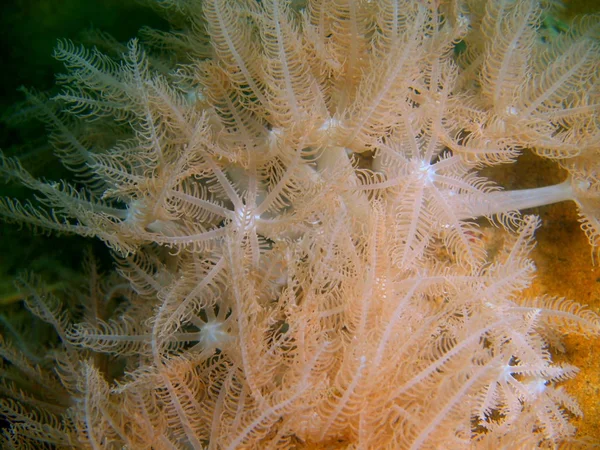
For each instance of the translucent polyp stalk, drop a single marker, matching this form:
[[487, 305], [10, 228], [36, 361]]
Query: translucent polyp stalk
[[504, 201]]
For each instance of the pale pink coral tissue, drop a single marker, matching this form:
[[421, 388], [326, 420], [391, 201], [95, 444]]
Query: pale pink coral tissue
[[302, 233]]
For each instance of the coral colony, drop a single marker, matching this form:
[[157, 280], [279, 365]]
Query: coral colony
[[294, 200]]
